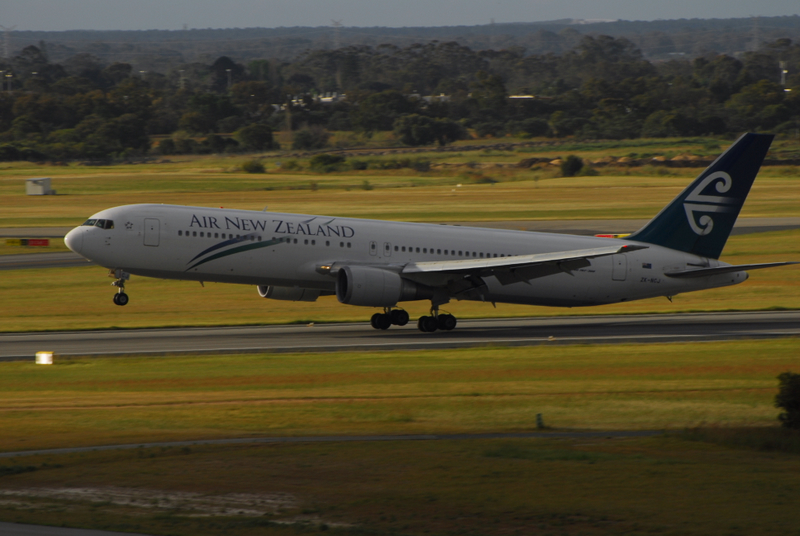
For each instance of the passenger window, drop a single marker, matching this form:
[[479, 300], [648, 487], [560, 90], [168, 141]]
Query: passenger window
[[180, 233], [306, 241], [201, 234], [397, 248], [327, 242], [194, 233], [341, 244], [349, 244], [438, 251], [313, 242]]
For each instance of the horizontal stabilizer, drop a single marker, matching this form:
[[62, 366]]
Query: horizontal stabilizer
[[705, 272]]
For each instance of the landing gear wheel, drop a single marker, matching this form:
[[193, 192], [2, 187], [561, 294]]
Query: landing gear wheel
[[380, 321], [427, 324], [121, 298], [399, 317], [447, 322]]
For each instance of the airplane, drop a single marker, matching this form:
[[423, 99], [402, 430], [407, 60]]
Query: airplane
[[381, 264]]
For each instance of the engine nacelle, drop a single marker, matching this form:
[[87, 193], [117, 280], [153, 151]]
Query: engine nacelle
[[288, 293], [374, 287]]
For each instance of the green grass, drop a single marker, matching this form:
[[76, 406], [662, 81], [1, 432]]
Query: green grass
[[486, 193], [100, 401], [725, 469]]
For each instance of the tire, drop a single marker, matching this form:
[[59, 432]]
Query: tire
[[380, 321], [399, 317], [427, 324], [447, 322], [121, 298]]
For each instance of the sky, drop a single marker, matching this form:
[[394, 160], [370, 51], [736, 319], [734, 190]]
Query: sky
[[174, 14]]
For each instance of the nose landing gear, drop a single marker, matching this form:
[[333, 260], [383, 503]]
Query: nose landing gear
[[120, 298]]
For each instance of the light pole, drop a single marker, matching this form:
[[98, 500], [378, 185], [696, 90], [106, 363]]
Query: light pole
[[229, 79]]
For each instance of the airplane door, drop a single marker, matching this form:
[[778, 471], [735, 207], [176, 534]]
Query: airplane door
[[373, 248], [387, 249], [619, 267], [151, 231]]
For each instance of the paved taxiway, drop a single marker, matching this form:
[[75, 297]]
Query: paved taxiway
[[16, 529], [469, 333]]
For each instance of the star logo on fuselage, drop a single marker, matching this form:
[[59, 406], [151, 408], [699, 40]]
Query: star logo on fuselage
[[129, 226]]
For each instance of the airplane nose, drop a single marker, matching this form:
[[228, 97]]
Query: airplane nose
[[74, 240]]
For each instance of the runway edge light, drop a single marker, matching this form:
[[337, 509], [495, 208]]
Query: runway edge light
[[44, 358]]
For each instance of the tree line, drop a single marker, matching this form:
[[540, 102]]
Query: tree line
[[424, 93]]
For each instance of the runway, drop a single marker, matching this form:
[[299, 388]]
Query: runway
[[609, 329]]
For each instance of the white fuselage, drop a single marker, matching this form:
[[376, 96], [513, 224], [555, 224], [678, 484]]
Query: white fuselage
[[287, 250]]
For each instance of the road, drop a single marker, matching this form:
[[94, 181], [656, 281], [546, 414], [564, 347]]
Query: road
[[344, 337]]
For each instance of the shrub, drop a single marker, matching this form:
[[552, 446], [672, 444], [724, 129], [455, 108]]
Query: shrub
[[253, 166], [290, 165], [256, 137], [326, 162], [309, 139], [788, 398], [571, 166], [166, 147]]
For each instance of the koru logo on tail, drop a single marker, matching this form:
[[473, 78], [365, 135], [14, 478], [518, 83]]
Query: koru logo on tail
[[696, 202]]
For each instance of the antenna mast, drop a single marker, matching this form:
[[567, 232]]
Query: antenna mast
[[7, 43], [337, 24]]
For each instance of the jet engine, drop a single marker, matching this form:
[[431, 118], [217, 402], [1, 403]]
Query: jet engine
[[288, 293], [375, 287]]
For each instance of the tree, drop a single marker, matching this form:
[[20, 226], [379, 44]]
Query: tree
[[310, 138], [415, 130], [379, 110], [788, 398], [255, 137]]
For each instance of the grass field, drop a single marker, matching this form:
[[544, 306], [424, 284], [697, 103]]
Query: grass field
[[100, 401], [696, 483], [484, 194]]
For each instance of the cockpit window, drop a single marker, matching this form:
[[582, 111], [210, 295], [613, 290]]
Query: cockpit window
[[103, 224]]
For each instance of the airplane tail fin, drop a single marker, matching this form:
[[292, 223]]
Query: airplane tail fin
[[701, 218]]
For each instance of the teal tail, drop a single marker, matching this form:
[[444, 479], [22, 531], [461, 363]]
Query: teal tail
[[701, 218]]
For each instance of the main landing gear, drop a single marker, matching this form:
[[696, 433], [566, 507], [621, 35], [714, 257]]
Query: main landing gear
[[388, 318], [444, 322], [120, 298], [428, 324]]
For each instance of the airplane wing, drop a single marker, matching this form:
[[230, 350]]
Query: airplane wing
[[464, 277], [704, 272]]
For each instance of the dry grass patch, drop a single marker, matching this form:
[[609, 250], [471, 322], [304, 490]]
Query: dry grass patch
[[664, 485]]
